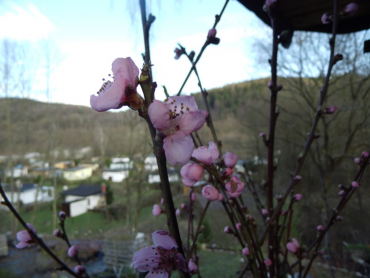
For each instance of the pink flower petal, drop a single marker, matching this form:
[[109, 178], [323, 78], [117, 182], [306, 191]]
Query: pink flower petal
[[23, 236], [187, 101], [212, 147], [146, 259], [21, 244], [111, 98], [230, 159], [163, 239], [210, 193], [192, 121], [125, 68], [159, 115], [178, 148]]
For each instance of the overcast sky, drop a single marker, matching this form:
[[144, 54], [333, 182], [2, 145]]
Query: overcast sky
[[90, 34]]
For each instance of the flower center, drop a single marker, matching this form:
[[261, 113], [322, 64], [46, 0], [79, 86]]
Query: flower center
[[233, 186], [106, 85]]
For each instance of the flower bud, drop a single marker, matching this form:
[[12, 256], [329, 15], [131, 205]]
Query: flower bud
[[228, 230], [62, 215], [342, 193], [191, 56], [193, 196], [183, 206], [210, 193], [212, 33], [330, 110], [226, 173], [239, 226], [326, 18], [177, 212], [262, 136], [365, 155], [230, 160], [270, 85], [80, 269], [178, 53], [267, 262], [355, 184], [350, 9], [162, 201], [156, 210], [265, 211], [280, 87], [297, 178], [298, 197], [57, 233], [320, 228], [193, 268], [357, 160], [339, 218], [73, 251], [246, 251]]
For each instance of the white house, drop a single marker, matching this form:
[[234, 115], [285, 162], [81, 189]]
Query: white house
[[115, 175], [151, 163], [80, 199], [27, 192], [77, 173], [18, 171], [155, 178]]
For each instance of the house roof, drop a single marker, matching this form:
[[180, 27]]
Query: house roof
[[74, 169], [116, 170], [306, 15], [83, 190], [25, 187]]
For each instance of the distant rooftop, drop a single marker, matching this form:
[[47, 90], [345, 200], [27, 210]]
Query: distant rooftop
[[83, 190], [25, 187]]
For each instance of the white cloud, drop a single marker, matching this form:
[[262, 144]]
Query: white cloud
[[24, 23]]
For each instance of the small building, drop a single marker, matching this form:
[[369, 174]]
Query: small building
[[115, 175], [172, 176], [151, 163], [80, 199], [77, 173], [18, 171], [47, 172], [27, 192]]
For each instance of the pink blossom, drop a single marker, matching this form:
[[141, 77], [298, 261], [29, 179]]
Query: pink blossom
[[207, 155], [80, 269], [265, 211], [183, 206], [320, 228], [230, 159], [326, 18], [193, 196], [177, 212], [191, 173], [297, 178], [112, 95], [330, 109], [262, 135], [221, 197], [177, 118], [239, 226], [355, 184], [210, 193], [350, 9], [24, 237], [234, 187], [73, 251], [161, 258], [357, 160], [298, 197], [156, 210], [342, 193], [193, 268], [293, 246], [212, 33], [267, 262], [162, 201], [246, 251]]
